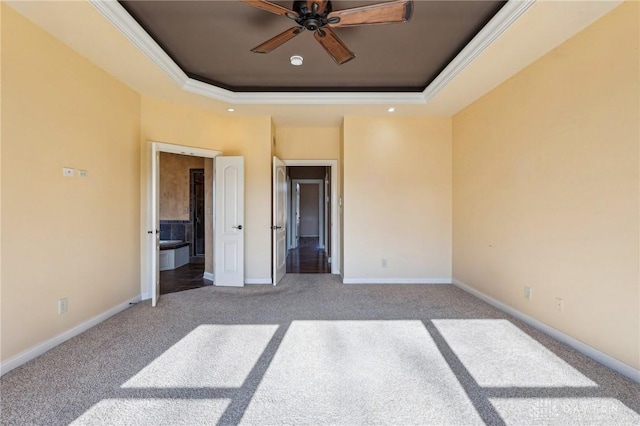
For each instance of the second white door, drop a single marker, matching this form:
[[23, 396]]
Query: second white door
[[229, 222], [279, 226]]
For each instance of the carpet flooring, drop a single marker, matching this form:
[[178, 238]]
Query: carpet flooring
[[313, 351]]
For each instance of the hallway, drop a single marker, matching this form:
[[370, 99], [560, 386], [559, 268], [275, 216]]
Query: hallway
[[308, 258]]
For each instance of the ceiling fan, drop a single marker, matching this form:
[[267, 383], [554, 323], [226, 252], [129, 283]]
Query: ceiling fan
[[317, 16]]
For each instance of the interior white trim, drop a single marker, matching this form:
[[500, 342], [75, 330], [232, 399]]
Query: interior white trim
[[208, 276], [36, 351], [186, 150], [591, 352], [250, 281], [121, 20], [396, 280], [334, 219]]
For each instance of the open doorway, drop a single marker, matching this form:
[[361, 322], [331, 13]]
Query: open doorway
[[309, 249], [183, 204]]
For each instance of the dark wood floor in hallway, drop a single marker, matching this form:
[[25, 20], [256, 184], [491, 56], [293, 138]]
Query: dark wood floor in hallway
[[308, 258]]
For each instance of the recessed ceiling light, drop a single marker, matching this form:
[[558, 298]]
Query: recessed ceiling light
[[230, 109], [392, 109], [296, 60]]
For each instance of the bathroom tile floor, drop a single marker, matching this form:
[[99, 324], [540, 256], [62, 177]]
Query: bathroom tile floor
[[186, 277]]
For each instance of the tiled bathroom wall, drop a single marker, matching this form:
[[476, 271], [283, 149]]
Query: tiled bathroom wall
[[176, 230]]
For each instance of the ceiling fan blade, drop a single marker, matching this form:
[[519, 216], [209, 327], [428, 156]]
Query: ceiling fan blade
[[381, 13], [322, 4], [273, 8], [278, 40], [333, 45]]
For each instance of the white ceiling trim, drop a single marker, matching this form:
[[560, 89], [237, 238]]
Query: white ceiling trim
[[120, 19], [505, 17], [300, 98]]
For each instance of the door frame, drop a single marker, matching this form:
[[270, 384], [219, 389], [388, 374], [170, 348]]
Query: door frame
[[321, 219], [334, 219], [148, 229]]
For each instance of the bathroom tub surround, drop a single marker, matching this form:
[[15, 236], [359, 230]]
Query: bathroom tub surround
[[173, 254]]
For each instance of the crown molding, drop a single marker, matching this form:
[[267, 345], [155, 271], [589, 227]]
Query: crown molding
[[120, 19], [502, 20], [129, 27]]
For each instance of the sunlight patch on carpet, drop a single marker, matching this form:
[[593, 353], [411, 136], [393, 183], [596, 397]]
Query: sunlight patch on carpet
[[153, 412], [359, 372], [213, 356], [565, 411], [498, 354]]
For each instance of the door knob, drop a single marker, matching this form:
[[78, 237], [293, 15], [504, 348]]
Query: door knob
[[239, 227]]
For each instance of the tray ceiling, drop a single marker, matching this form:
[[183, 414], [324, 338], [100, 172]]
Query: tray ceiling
[[211, 42]]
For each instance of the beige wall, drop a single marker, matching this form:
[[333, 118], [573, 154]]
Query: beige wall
[[250, 137], [175, 185], [546, 190], [397, 197], [64, 237], [308, 143]]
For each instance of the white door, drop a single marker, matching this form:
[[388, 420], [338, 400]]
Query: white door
[[279, 226], [327, 217], [154, 226], [228, 228]]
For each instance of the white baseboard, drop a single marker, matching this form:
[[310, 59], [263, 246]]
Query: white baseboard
[[208, 276], [40, 349], [396, 280], [591, 352], [250, 281], [145, 296]]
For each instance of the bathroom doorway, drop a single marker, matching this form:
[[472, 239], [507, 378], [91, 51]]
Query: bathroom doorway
[[184, 203]]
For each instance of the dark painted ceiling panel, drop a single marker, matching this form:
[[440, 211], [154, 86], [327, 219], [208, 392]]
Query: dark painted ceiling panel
[[212, 41]]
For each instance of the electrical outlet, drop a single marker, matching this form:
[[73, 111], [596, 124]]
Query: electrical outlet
[[559, 304], [384, 263], [83, 173], [528, 293], [63, 304]]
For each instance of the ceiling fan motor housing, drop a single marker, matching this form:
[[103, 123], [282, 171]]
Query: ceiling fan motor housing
[[310, 18]]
